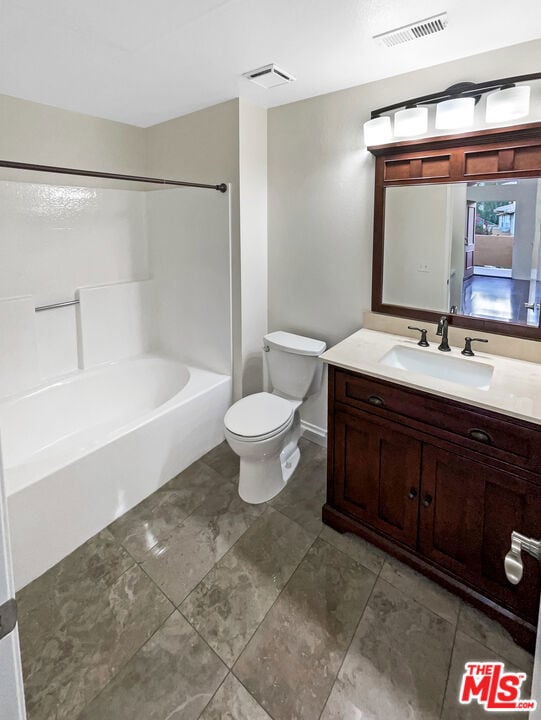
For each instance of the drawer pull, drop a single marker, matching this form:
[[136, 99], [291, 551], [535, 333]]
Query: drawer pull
[[375, 400], [412, 493], [427, 500], [480, 436]]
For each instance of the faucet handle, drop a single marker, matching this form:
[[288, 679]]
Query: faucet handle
[[423, 342], [467, 345]]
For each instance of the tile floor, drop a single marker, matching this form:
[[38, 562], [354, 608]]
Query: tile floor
[[197, 605]]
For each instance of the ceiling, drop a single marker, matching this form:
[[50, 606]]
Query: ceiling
[[146, 61]]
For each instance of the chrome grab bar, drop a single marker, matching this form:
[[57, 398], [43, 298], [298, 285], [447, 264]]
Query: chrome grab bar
[[53, 306], [513, 560]]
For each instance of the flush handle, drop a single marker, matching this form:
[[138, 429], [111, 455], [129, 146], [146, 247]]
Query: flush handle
[[480, 436], [375, 400]]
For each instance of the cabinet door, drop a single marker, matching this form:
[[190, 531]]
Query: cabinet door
[[468, 510], [376, 474]]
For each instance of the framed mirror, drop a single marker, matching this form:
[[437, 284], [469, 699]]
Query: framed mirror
[[457, 230]]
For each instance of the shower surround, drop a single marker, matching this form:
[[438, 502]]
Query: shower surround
[[103, 401]]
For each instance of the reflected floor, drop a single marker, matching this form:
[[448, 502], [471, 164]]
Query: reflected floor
[[497, 298], [197, 605]]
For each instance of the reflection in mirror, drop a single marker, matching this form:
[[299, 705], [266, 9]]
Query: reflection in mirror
[[466, 248]]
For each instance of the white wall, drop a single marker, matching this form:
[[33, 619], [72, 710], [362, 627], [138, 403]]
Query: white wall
[[189, 244], [253, 241], [459, 209], [418, 224], [321, 188]]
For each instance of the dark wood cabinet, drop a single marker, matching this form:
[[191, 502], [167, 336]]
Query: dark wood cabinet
[[377, 475], [406, 472]]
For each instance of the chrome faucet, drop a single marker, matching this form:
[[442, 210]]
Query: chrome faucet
[[443, 329]]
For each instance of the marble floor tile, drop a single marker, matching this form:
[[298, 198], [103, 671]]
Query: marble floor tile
[[233, 702], [290, 663], [181, 561], [230, 602], [223, 460], [465, 650], [420, 588], [172, 677], [153, 519], [306, 492], [71, 586], [364, 552], [492, 635], [85, 653], [396, 667]]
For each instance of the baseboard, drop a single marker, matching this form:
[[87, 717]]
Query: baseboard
[[314, 433]]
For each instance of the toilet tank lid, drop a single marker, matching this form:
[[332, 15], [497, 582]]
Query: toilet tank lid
[[296, 344]]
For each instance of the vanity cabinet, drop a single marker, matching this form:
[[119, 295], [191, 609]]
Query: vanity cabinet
[[440, 485]]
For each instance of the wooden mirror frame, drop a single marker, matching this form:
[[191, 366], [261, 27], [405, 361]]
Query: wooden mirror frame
[[483, 155]]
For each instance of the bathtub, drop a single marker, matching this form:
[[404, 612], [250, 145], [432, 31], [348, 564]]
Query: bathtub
[[82, 450]]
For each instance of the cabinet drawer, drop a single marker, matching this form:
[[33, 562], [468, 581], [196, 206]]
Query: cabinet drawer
[[485, 432]]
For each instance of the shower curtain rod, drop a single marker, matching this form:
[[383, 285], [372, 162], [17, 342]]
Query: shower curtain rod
[[222, 187]]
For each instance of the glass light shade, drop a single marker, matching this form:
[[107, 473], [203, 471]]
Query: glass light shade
[[508, 104], [411, 121], [378, 130], [455, 113]]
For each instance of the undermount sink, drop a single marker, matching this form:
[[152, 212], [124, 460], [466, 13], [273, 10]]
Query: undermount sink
[[442, 367]]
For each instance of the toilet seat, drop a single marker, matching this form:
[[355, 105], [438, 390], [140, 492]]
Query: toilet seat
[[259, 417]]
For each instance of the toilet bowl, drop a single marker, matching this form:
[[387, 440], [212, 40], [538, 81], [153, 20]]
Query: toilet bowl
[[264, 428]]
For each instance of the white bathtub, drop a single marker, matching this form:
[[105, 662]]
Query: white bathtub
[[81, 451]]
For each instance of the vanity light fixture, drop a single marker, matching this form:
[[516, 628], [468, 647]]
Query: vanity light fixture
[[508, 103], [378, 131], [509, 99], [455, 113], [411, 121]]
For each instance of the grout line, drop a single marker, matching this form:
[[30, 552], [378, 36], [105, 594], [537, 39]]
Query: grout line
[[266, 710], [270, 606], [263, 620], [121, 667], [376, 575], [180, 523], [450, 663], [215, 692]]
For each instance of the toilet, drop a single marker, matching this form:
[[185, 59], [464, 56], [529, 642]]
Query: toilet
[[264, 428]]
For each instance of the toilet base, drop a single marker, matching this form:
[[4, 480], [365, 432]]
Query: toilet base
[[261, 480]]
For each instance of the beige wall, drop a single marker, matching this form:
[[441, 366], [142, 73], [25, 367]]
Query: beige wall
[[228, 143], [321, 197], [204, 147], [34, 133]]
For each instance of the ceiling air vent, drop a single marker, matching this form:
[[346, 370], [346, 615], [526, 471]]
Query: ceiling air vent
[[269, 76], [413, 31]]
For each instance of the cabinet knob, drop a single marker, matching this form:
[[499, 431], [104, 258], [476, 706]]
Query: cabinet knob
[[412, 493], [427, 500], [480, 436], [375, 400]]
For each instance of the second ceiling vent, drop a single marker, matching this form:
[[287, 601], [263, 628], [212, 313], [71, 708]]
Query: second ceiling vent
[[413, 31]]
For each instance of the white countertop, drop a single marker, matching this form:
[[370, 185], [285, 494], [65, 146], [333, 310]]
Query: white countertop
[[515, 387]]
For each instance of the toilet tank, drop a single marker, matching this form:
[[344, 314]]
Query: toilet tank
[[293, 364]]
